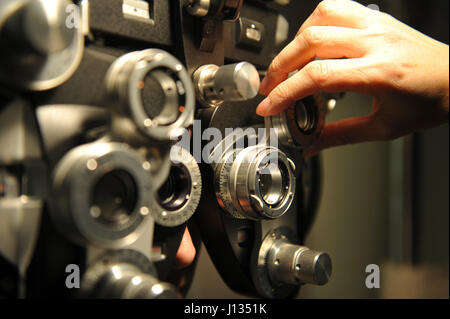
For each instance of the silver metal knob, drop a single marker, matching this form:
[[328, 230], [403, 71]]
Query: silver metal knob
[[294, 264], [124, 281], [124, 274], [230, 83]]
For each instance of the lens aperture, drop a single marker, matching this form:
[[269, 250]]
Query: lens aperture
[[176, 190], [272, 184], [114, 197]]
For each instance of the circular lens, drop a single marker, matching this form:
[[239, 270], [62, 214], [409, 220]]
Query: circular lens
[[272, 184], [153, 96], [153, 89], [176, 190], [161, 96], [114, 197], [305, 117]]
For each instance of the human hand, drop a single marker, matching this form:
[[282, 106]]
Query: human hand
[[406, 72]]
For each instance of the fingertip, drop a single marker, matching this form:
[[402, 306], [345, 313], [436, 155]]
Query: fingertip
[[269, 108], [186, 252], [264, 107]]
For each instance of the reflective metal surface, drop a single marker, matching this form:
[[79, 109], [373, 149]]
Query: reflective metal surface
[[179, 196], [231, 83], [198, 8], [125, 274], [39, 50], [101, 194], [281, 265], [255, 182], [134, 74], [301, 125]]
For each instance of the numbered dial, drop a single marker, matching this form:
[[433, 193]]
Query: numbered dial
[[179, 196]]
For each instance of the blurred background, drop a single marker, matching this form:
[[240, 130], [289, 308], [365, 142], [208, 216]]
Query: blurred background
[[383, 203]]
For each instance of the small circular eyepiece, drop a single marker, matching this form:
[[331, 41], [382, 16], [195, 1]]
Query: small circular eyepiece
[[155, 93], [306, 117], [272, 183], [101, 195], [178, 198], [301, 125], [255, 183], [175, 192], [114, 197]]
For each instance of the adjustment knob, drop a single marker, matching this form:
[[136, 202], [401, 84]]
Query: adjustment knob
[[125, 281], [281, 266], [294, 264], [124, 274], [229, 83]]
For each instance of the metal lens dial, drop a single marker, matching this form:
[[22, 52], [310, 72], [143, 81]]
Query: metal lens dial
[[155, 92], [176, 190], [272, 184], [101, 194], [255, 183], [178, 198], [301, 125]]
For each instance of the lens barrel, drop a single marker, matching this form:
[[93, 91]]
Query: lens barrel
[[101, 194]]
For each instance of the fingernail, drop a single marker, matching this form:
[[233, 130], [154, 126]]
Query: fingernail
[[264, 107]]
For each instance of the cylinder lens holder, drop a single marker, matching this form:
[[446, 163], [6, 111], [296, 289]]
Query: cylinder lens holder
[[155, 92], [255, 183], [301, 125], [101, 194], [179, 196]]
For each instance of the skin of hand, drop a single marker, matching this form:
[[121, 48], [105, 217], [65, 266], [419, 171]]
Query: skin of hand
[[186, 252], [406, 72]]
